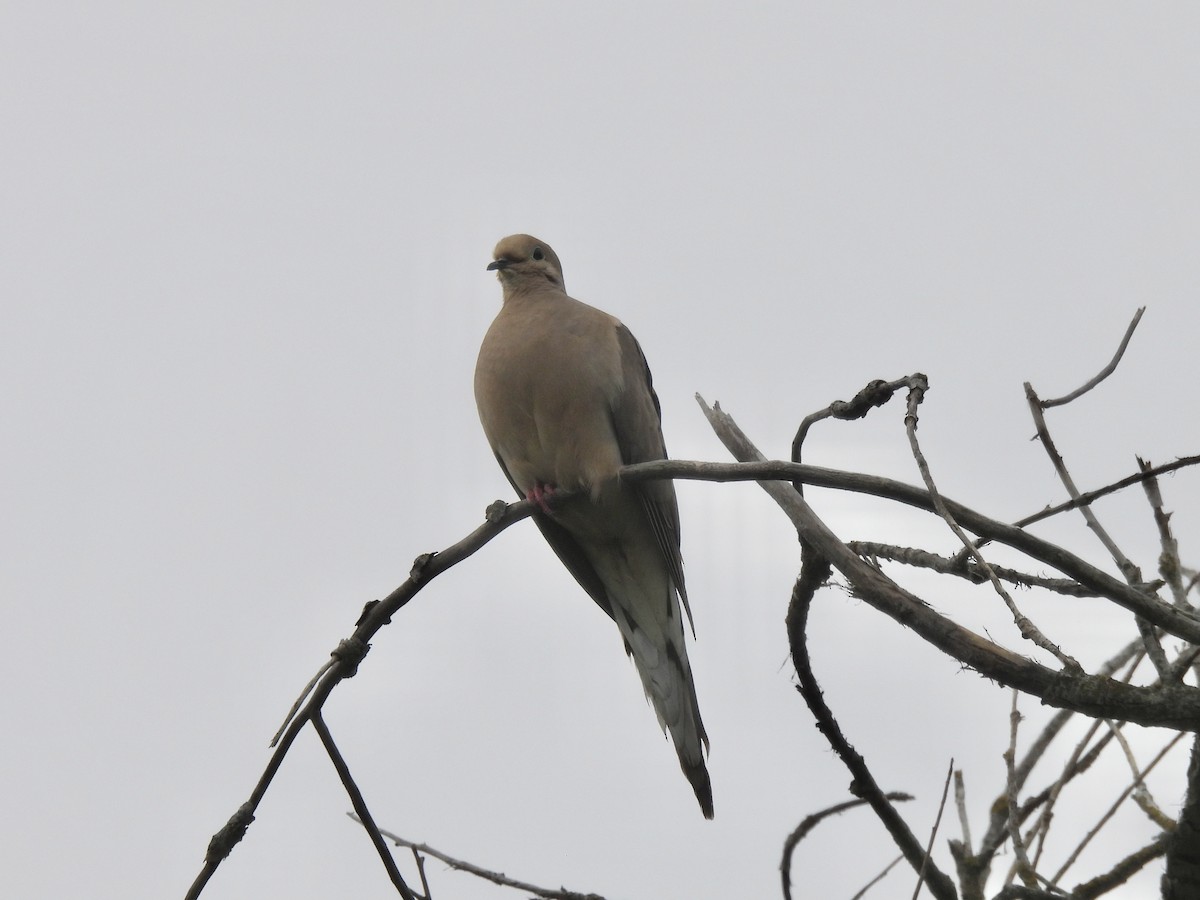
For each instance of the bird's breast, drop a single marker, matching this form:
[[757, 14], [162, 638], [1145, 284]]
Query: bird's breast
[[545, 399]]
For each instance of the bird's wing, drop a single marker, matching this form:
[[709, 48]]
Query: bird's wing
[[637, 423]]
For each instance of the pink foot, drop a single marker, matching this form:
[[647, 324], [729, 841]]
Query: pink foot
[[539, 494]]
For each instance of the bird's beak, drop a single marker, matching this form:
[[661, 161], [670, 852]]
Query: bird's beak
[[499, 264]]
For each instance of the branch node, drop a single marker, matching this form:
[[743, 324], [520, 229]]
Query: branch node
[[230, 834], [350, 652], [496, 511], [419, 564], [876, 393]]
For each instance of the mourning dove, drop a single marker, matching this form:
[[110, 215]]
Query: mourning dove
[[566, 399]]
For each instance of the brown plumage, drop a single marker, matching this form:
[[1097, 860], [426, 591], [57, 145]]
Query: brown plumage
[[566, 399]]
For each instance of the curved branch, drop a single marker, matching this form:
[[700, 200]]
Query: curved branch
[[1174, 706], [770, 473], [347, 656], [813, 573]]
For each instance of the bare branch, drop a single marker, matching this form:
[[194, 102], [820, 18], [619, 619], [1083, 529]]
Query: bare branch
[[862, 892], [1088, 497], [1087, 839], [755, 467], [360, 805], [1182, 876], [808, 823], [813, 573], [962, 566], [933, 831], [486, 874], [1169, 566], [1043, 432], [1029, 631], [874, 395], [1131, 572], [1021, 865], [1122, 871], [1171, 706], [960, 802], [1106, 371], [347, 656]]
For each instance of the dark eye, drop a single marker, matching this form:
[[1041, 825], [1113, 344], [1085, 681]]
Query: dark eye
[[537, 253]]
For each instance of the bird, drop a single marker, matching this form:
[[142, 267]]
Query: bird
[[566, 399]]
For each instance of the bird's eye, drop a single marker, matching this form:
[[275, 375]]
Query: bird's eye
[[537, 253]]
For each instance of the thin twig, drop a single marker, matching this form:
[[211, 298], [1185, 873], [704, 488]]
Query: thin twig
[[1106, 371], [933, 831], [1029, 631], [304, 695], [862, 892], [360, 804], [1081, 757], [1088, 497], [1131, 572], [486, 874], [808, 823], [960, 803], [347, 656], [420, 861], [1111, 811], [1021, 866], [812, 574], [1169, 566]]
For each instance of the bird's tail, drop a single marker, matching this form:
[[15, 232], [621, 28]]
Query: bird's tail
[[667, 678]]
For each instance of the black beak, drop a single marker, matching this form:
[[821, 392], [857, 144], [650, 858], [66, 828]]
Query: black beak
[[499, 264]]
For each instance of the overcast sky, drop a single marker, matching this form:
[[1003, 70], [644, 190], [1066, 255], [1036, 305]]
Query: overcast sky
[[242, 286]]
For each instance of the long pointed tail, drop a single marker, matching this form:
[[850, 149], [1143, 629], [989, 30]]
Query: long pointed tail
[[667, 679]]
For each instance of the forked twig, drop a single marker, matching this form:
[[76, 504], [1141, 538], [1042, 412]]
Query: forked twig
[[1029, 631], [498, 878]]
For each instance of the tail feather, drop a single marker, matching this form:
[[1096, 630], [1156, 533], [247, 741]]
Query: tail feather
[[667, 680]]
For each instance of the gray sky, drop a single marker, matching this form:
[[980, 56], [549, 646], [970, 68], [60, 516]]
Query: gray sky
[[242, 253]]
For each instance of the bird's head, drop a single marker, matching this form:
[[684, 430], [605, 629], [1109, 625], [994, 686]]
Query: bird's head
[[521, 260]]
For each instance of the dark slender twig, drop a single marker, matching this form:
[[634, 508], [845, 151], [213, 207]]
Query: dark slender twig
[[1088, 497], [360, 805], [933, 831], [813, 572], [1092, 832], [420, 861], [808, 823], [862, 892]]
